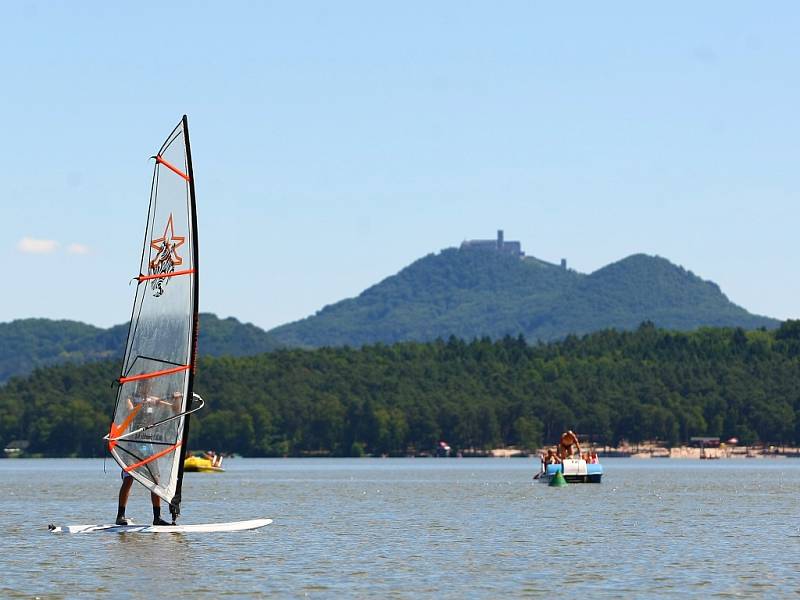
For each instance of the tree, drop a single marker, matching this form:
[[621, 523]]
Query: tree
[[528, 433]]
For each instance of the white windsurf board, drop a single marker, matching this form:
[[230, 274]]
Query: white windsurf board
[[197, 528]]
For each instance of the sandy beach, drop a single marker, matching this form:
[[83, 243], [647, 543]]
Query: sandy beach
[[716, 453], [648, 451]]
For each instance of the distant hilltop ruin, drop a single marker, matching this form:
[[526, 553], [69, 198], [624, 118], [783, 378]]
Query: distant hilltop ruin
[[500, 245]]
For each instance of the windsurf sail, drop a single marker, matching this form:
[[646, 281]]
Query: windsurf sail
[[150, 427]]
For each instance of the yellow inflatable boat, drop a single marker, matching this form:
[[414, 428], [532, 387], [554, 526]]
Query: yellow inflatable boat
[[201, 464]]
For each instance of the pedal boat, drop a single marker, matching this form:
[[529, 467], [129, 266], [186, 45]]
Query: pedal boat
[[574, 471]]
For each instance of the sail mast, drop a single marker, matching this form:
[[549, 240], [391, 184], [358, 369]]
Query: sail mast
[[175, 508]]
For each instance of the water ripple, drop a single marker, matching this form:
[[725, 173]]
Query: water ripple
[[412, 528]]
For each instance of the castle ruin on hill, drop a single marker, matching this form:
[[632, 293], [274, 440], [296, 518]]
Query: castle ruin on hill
[[500, 245]]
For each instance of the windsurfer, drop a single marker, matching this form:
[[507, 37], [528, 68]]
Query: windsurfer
[[148, 404], [565, 444]]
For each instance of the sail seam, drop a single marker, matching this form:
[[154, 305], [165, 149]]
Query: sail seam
[[133, 440], [160, 360]]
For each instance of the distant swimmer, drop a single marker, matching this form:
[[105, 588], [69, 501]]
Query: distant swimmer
[[565, 444]]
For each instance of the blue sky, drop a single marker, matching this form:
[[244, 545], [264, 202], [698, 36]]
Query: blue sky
[[335, 143]]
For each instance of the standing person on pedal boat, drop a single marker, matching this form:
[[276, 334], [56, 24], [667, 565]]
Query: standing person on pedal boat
[[565, 444]]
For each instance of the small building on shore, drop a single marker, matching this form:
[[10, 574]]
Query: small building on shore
[[15, 448]]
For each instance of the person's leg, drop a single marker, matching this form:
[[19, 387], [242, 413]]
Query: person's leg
[[156, 500], [124, 492]]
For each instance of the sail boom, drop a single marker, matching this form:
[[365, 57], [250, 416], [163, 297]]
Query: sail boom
[[113, 438]]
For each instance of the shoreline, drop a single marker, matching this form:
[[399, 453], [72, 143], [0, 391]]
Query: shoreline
[[650, 451], [642, 452], [724, 452]]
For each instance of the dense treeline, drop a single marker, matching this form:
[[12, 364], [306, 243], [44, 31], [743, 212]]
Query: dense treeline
[[404, 398]]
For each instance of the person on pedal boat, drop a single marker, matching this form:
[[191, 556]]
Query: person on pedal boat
[[565, 444]]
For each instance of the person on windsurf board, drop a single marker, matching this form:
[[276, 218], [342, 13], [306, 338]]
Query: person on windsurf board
[[147, 405], [148, 435]]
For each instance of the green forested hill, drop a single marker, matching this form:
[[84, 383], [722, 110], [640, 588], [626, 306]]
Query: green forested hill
[[462, 293], [472, 293], [26, 344], [643, 288], [404, 398], [465, 293]]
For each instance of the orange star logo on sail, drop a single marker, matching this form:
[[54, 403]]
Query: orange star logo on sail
[[162, 266], [167, 246]]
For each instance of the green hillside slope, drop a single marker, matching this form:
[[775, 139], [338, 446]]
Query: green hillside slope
[[472, 293], [466, 294], [644, 288], [26, 344]]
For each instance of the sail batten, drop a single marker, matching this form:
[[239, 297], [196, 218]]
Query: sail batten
[[171, 167], [151, 458], [154, 374], [148, 434], [157, 276]]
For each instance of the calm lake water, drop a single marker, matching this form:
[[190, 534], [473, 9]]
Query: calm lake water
[[407, 528]]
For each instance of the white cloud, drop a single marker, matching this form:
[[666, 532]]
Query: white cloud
[[34, 246], [78, 249]]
